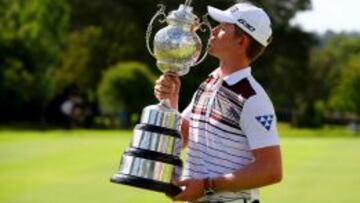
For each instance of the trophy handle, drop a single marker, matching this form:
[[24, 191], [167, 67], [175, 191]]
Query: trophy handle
[[188, 2], [208, 25], [160, 12]]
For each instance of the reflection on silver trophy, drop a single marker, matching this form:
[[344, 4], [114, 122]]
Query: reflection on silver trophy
[[152, 159]]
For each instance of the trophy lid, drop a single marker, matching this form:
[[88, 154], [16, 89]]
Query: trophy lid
[[183, 15]]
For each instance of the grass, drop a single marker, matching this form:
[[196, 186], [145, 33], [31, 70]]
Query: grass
[[75, 166]]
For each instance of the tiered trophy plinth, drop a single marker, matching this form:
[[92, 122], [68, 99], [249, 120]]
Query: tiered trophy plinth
[[152, 160]]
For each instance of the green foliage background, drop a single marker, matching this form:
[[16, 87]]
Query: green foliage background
[[125, 87], [48, 47]]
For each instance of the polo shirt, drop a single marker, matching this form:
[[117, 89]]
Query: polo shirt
[[228, 118]]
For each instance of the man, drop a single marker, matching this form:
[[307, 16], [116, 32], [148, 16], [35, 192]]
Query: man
[[230, 125]]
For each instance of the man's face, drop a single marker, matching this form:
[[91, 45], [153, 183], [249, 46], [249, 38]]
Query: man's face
[[223, 40]]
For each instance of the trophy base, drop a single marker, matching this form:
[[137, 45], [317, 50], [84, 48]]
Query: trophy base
[[148, 184]]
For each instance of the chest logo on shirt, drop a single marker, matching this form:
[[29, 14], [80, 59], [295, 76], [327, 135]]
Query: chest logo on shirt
[[265, 120]]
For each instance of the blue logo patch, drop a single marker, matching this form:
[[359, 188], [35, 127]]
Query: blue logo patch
[[265, 120]]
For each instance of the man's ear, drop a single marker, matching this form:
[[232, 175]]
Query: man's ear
[[243, 41]]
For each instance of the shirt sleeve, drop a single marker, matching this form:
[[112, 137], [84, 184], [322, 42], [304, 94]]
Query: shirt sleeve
[[258, 121]]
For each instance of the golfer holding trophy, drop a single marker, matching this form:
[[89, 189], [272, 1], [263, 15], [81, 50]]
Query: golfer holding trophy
[[229, 127]]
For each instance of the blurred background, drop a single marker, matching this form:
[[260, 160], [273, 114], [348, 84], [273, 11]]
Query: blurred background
[[75, 75]]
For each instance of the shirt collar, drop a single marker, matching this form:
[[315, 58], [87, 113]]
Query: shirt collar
[[234, 77]]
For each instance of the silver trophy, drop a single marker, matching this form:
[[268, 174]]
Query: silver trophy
[[152, 159]]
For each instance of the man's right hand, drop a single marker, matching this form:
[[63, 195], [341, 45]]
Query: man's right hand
[[168, 87]]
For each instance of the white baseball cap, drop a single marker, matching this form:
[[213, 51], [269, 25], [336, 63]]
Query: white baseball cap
[[251, 19]]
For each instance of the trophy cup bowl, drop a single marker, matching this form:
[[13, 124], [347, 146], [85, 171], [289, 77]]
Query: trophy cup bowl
[[152, 160], [176, 47]]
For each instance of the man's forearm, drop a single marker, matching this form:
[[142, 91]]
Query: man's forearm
[[243, 179], [185, 132], [260, 173]]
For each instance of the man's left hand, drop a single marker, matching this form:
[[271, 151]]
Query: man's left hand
[[194, 189]]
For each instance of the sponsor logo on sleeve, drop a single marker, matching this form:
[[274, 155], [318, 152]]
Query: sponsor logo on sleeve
[[265, 120]]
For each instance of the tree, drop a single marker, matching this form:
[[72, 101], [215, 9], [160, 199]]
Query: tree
[[77, 62], [31, 37], [331, 68], [125, 22], [285, 70], [126, 87], [103, 33], [346, 95]]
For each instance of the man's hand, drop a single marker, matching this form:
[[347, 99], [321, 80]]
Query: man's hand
[[194, 189], [168, 87]]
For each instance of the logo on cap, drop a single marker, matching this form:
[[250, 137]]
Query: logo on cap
[[241, 20], [246, 24]]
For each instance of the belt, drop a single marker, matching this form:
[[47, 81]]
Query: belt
[[235, 201]]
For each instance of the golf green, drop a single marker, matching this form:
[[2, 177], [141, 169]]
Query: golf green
[[75, 166]]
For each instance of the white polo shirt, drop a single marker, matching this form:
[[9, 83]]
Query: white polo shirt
[[228, 118]]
